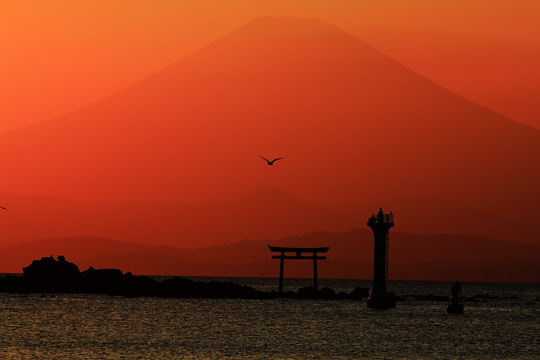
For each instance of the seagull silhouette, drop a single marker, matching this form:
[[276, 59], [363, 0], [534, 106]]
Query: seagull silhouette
[[271, 162]]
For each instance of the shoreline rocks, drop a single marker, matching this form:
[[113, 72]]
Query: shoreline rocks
[[50, 275]]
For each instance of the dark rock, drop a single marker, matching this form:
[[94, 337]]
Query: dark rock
[[103, 281], [50, 275], [360, 293]]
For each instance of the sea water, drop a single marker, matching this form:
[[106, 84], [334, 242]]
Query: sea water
[[502, 323]]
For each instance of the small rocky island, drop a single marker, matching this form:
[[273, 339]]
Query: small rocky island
[[51, 276]]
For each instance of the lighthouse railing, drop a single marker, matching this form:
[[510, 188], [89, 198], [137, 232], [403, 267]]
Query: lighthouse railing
[[382, 218]]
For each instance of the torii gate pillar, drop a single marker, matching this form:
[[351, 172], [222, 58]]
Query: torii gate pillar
[[298, 254]]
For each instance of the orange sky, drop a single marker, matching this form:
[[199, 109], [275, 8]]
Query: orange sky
[[60, 55], [194, 131]]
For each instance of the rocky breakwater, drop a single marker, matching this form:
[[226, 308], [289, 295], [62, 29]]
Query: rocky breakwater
[[50, 275]]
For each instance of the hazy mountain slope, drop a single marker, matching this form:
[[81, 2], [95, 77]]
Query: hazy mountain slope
[[354, 126]]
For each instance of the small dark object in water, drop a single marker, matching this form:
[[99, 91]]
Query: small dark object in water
[[455, 309]]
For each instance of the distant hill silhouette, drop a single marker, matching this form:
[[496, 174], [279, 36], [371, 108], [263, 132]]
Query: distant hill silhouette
[[435, 257], [263, 214], [355, 126], [266, 213]]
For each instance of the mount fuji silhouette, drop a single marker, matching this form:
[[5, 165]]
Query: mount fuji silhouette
[[356, 127]]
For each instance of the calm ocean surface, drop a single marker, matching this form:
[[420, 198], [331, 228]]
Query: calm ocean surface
[[105, 327]]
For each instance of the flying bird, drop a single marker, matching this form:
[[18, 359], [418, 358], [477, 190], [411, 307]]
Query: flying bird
[[271, 162], [2, 208]]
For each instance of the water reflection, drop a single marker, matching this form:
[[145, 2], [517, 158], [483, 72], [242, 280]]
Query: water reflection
[[103, 327]]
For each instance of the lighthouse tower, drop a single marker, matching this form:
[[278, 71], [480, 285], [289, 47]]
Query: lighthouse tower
[[380, 224]]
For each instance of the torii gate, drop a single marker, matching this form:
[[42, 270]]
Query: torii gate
[[312, 255]]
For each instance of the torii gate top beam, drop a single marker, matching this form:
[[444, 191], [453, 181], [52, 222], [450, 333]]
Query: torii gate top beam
[[297, 251]]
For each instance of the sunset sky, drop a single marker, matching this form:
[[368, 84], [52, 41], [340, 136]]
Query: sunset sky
[[60, 55], [145, 121]]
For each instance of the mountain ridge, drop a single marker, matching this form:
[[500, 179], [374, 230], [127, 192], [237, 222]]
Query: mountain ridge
[[442, 257], [167, 223], [264, 214]]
